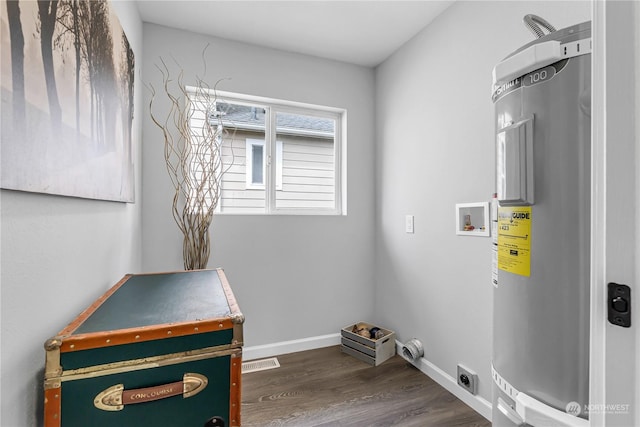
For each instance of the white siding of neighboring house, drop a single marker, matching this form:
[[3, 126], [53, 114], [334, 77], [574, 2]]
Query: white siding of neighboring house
[[307, 175]]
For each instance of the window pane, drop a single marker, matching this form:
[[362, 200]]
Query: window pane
[[308, 161], [257, 164], [203, 156], [243, 182]]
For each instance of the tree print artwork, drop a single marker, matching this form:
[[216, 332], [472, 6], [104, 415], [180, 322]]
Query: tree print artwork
[[67, 99]]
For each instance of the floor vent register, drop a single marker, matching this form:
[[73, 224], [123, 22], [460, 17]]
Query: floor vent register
[[260, 365]]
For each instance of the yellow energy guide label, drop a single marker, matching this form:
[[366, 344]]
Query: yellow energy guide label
[[514, 239]]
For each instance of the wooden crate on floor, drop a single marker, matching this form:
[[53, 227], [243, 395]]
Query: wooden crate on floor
[[370, 350]]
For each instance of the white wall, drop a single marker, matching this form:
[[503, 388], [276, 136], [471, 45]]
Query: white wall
[[435, 148], [294, 276], [58, 255]]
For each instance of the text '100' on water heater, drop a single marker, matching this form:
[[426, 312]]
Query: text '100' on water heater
[[541, 250]]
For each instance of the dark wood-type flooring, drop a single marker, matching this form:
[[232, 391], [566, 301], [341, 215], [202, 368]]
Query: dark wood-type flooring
[[326, 387]]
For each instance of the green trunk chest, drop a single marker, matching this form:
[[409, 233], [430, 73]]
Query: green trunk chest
[[161, 349]]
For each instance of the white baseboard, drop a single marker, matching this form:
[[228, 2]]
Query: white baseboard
[[479, 404], [284, 347]]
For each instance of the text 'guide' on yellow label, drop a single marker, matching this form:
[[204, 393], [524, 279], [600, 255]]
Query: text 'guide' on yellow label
[[514, 239]]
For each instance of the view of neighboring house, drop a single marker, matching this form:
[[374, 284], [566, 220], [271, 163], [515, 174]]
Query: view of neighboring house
[[302, 159]]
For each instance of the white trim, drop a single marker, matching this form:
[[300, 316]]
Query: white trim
[[251, 99], [614, 357], [279, 151], [597, 339], [270, 177], [293, 346], [477, 403], [248, 166], [339, 146], [341, 164]]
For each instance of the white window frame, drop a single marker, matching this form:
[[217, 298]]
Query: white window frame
[[250, 185], [272, 107]]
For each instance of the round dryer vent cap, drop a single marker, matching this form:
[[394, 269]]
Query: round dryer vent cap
[[413, 349]]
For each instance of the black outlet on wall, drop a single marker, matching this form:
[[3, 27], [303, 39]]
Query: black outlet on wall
[[468, 379]]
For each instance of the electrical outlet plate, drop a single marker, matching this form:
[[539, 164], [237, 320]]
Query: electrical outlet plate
[[467, 379]]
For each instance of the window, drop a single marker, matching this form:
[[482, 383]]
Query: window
[[257, 164], [279, 157]]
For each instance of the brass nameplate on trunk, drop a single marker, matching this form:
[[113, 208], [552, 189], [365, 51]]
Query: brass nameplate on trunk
[[116, 397]]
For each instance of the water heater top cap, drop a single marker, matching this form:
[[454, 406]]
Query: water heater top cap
[[542, 52]]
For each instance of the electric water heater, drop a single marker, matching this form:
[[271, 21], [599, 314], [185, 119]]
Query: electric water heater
[[541, 246]]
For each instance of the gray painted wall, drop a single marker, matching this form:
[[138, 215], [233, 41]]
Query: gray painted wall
[[294, 276], [435, 148], [58, 255]]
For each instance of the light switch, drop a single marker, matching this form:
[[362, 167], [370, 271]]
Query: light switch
[[408, 227]]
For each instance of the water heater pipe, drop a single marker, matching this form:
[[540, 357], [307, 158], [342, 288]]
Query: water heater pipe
[[532, 21]]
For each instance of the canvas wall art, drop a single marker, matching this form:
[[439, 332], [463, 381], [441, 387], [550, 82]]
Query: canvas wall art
[[67, 100]]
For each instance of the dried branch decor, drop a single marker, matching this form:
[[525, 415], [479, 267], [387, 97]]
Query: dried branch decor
[[193, 132]]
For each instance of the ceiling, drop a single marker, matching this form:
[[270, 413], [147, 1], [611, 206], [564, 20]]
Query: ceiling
[[359, 32]]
